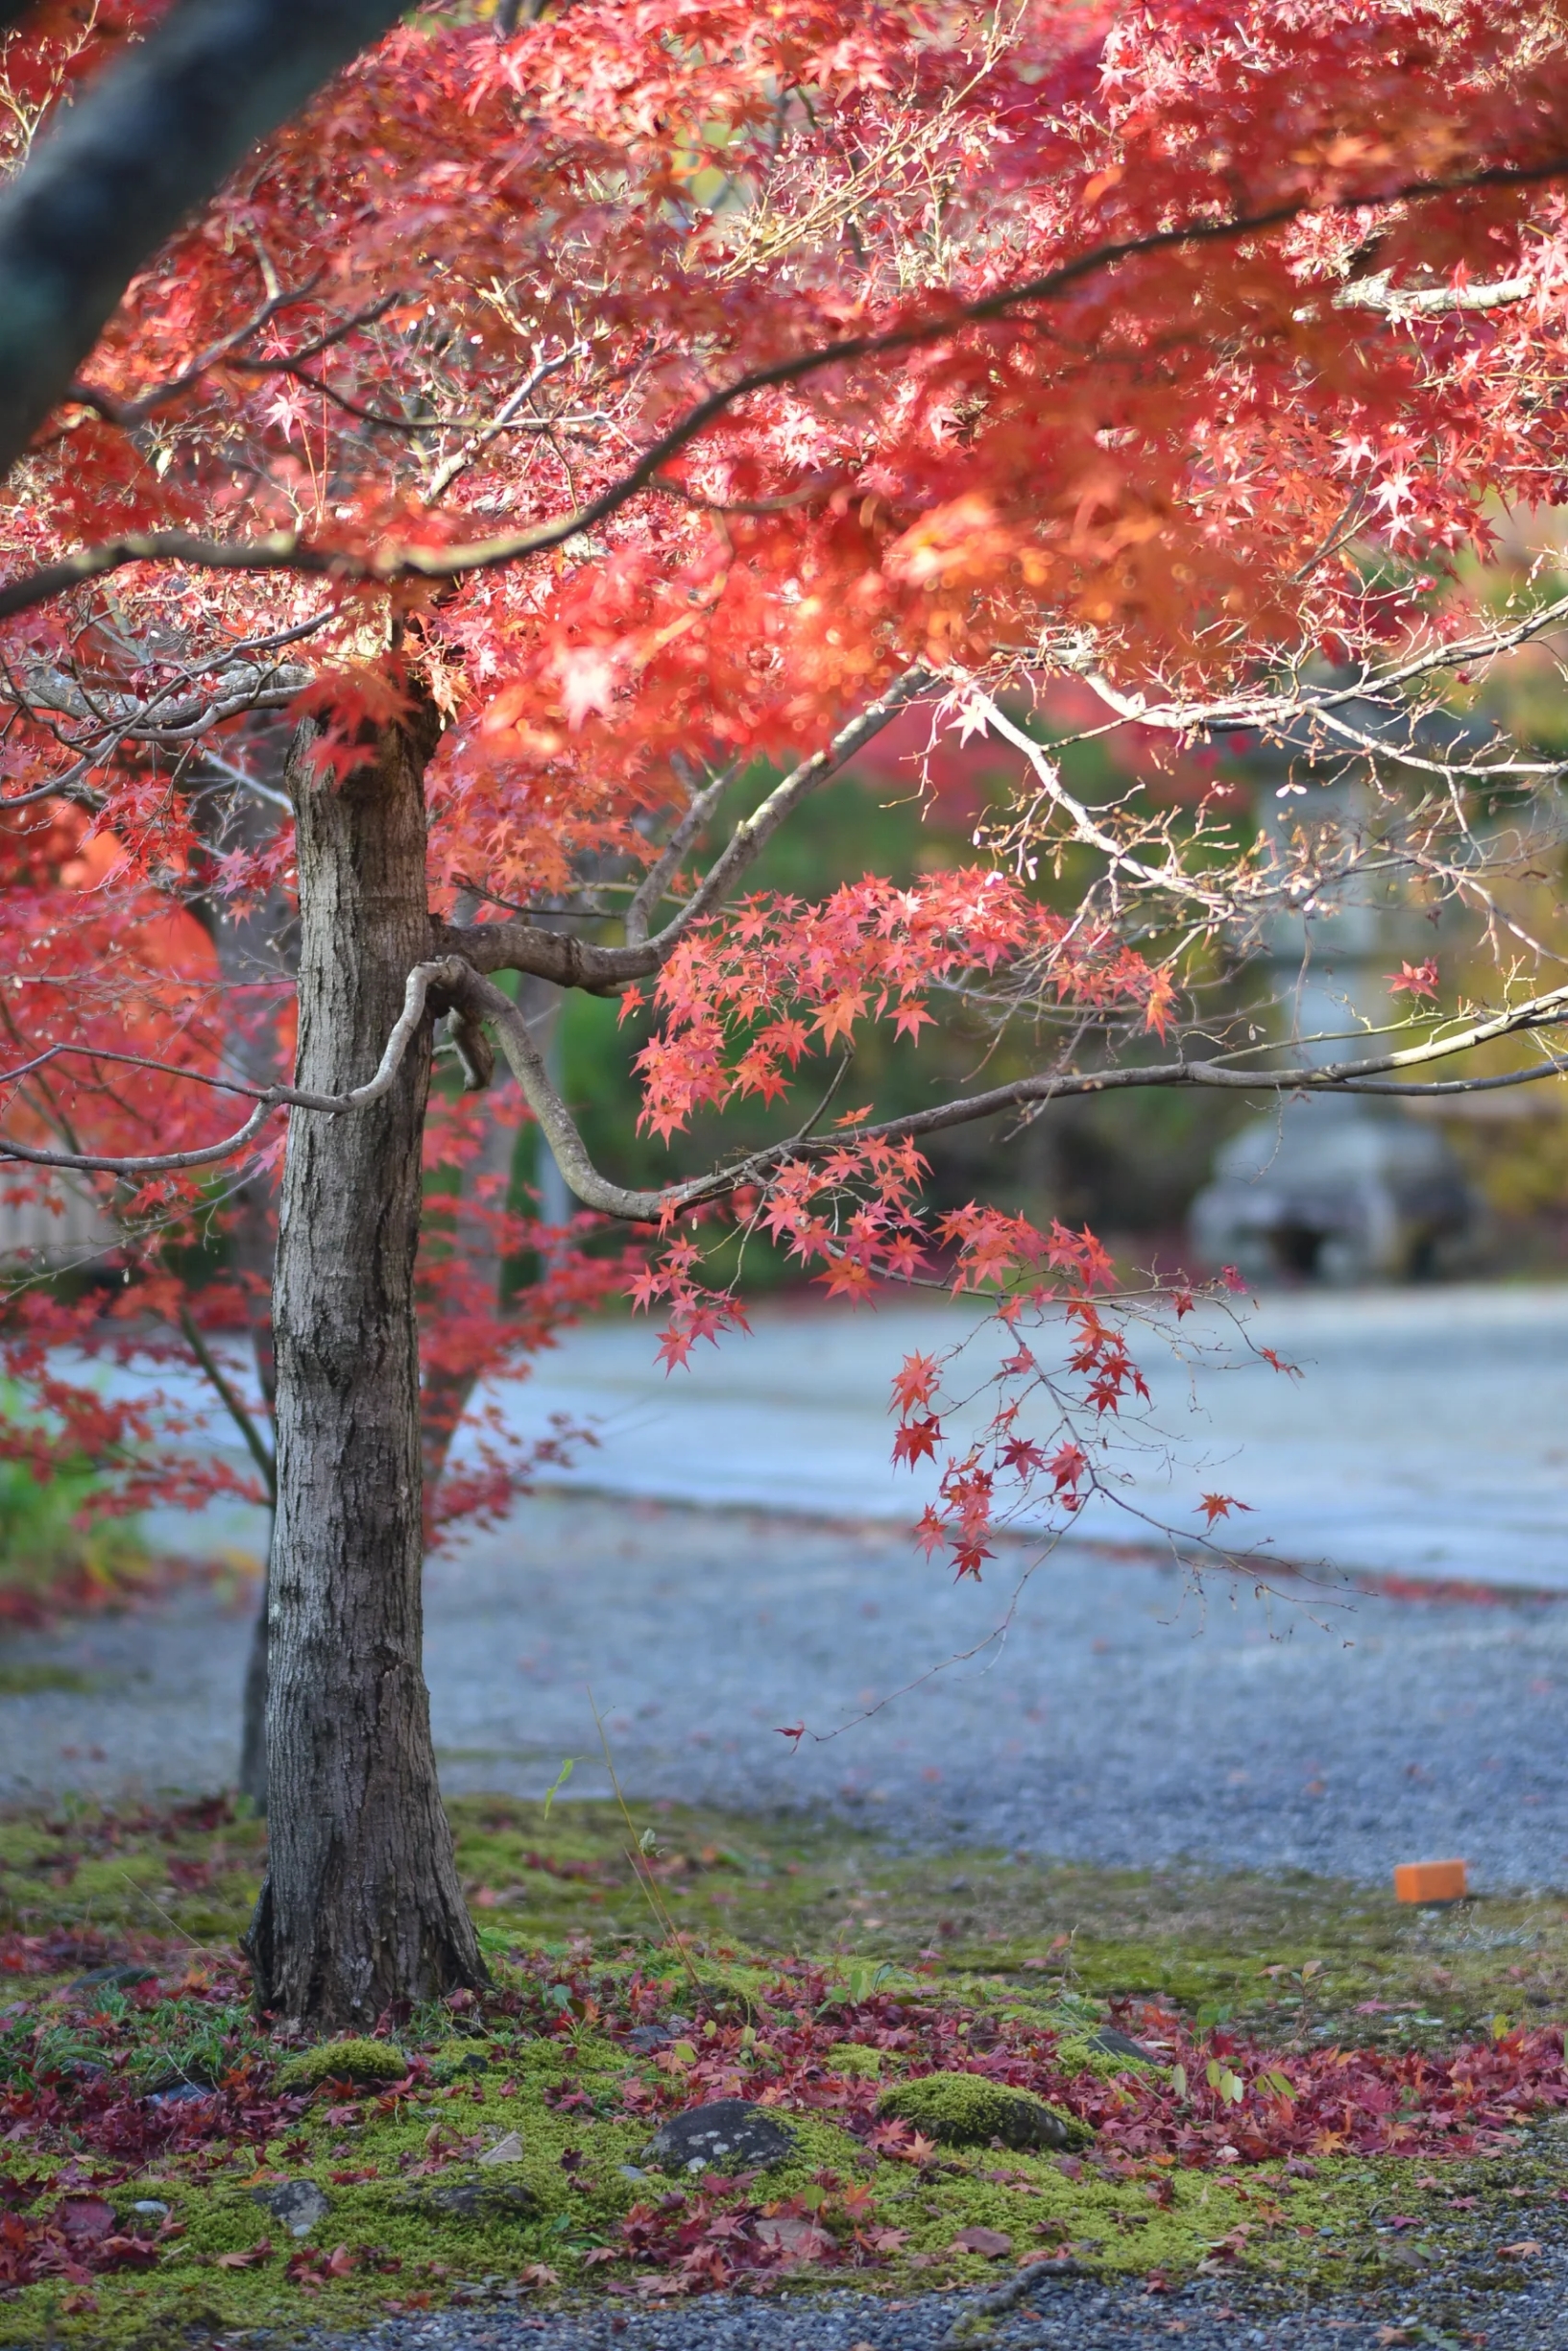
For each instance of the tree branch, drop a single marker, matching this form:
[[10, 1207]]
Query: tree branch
[[443, 977], [1430, 301], [474, 998], [598, 971], [229, 1397], [293, 551], [481, 999], [151, 138]]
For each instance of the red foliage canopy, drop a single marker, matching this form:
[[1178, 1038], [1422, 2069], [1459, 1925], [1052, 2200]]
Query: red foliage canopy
[[648, 390]]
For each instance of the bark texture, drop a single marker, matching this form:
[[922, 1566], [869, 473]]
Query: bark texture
[[362, 1908]]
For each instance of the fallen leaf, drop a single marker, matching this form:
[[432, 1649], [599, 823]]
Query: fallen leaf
[[1526, 2249], [249, 2259], [85, 2220], [799, 2238], [992, 2243]]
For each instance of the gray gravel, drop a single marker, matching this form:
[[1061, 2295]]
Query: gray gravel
[[1124, 1718], [1083, 2315]]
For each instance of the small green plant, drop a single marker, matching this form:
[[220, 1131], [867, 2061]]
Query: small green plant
[[53, 1551]]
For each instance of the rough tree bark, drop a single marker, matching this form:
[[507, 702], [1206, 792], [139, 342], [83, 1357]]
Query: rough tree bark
[[361, 1906]]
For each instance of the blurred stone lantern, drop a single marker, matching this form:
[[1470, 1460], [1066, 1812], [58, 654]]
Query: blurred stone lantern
[[1337, 1188]]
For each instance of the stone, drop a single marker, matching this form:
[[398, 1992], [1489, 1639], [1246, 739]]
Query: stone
[[455, 2063], [296, 2205], [646, 2038], [1110, 2043], [966, 2110], [727, 2136], [506, 2150], [796, 2239], [1333, 1191], [477, 2200], [182, 2094], [112, 1980]]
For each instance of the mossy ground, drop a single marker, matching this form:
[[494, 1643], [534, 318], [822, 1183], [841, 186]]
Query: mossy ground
[[1298, 1963]]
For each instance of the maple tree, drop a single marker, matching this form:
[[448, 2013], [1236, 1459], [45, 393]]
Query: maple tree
[[543, 431]]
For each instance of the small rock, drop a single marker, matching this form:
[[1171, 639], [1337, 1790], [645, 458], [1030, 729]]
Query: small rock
[[150, 2205], [729, 2135], [473, 2199], [113, 1979], [631, 2172], [797, 2240], [506, 2150], [182, 2094], [455, 2063], [1113, 2043], [646, 2038], [970, 2110], [296, 2205]]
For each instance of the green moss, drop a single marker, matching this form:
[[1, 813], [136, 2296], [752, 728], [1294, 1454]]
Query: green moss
[[853, 2057], [351, 2061], [1289, 1960], [966, 2110]]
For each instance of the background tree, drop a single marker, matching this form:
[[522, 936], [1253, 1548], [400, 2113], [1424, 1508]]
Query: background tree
[[552, 426]]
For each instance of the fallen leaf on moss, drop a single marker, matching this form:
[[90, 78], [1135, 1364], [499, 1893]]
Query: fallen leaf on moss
[[248, 2260], [992, 2243]]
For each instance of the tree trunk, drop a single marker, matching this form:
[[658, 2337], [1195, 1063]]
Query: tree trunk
[[361, 1908], [256, 947], [253, 1245]]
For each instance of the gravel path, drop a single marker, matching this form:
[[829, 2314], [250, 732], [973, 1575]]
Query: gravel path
[[1123, 1719], [1060, 2315], [1423, 1438]]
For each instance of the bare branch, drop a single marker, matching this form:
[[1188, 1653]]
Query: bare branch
[[574, 963], [449, 467], [445, 976], [1167, 877], [1430, 301], [1263, 713], [753, 832], [654, 883]]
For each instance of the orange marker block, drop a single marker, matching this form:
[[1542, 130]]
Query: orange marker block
[[1429, 1881]]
